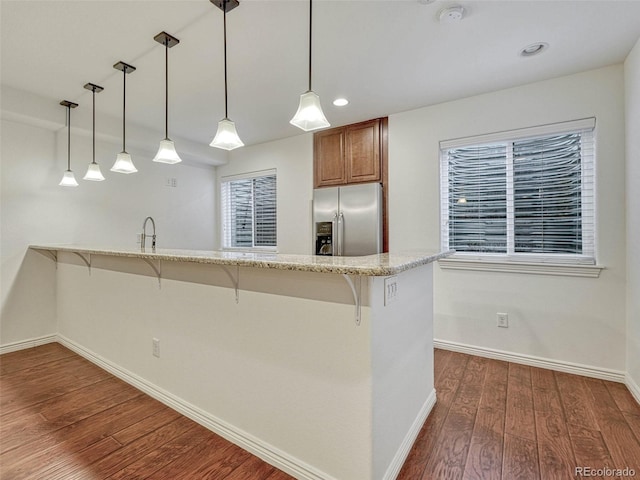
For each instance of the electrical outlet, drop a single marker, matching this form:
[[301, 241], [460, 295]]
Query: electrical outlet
[[156, 347], [171, 182], [503, 320], [138, 238], [390, 289]]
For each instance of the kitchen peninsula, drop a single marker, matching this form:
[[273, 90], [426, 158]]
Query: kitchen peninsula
[[322, 366]]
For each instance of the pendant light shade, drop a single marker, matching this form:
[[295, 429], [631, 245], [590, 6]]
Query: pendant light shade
[[167, 151], [93, 172], [227, 137], [309, 115], [123, 163], [68, 178]]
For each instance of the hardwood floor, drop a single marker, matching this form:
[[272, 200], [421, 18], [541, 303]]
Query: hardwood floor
[[62, 418], [499, 420]]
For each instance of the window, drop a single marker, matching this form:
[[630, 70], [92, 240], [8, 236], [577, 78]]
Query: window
[[249, 211], [525, 195]]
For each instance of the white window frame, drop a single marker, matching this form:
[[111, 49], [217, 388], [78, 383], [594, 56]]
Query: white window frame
[[557, 264], [223, 226]]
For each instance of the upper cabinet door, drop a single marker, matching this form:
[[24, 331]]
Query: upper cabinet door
[[329, 156], [363, 152]]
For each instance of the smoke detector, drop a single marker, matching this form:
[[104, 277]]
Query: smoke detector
[[451, 14]]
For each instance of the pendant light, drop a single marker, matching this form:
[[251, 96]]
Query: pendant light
[[68, 179], [309, 115], [93, 172], [123, 162], [167, 151], [226, 137]]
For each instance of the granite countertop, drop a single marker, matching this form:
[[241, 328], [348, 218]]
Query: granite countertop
[[383, 264]]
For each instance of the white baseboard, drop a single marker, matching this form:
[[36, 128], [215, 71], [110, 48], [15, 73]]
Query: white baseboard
[[244, 440], [30, 343], [533, 361], [633, 387], [405, 447]]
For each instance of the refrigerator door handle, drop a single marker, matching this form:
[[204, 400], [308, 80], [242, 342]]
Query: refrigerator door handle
[[340, 233], [334, 235]]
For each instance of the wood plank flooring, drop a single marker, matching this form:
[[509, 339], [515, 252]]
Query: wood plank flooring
[[62, 418], [504, 421]]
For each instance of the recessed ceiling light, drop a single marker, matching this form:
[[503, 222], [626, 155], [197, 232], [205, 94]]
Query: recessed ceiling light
[[451, 14], [426, 2], [340, 102], [534, 49]]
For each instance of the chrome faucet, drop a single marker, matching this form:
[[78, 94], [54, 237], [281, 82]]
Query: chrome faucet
[[144, 233]]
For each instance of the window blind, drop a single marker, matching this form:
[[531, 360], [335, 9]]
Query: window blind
[[478, 199], [249, 213], [525, 198], [264, 195], [547, 189]]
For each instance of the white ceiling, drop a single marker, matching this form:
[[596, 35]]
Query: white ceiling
[[384, 56]]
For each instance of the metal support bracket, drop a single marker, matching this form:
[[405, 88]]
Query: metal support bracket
[[235, 281], [157, 270], [52, 254], [356, 291], [87, 261]]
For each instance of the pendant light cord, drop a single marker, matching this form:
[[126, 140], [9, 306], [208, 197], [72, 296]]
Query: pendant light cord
[[124, 106], [166, 90], [94, 124], [224, 9], [310, 24], [69, 138]]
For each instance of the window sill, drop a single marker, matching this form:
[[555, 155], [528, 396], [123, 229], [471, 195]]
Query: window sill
[[250, 250], [568, 270]]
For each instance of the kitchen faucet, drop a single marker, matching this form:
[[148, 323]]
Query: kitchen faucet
[[144, 233]]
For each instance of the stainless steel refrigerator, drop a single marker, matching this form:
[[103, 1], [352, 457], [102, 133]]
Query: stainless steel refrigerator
[[348, 220]]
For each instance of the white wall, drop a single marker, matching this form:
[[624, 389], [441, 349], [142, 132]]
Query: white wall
[[567, 319], [401, 364], [36, 210], [632, 97], [293, 160], [28, 307], [291, 337]]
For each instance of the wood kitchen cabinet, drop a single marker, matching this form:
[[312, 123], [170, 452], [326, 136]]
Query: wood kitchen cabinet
[[329, 158], [362, 152], [356, 153], [349, 154]]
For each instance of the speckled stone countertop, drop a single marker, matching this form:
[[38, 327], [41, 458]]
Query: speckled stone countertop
[[383, 264]]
